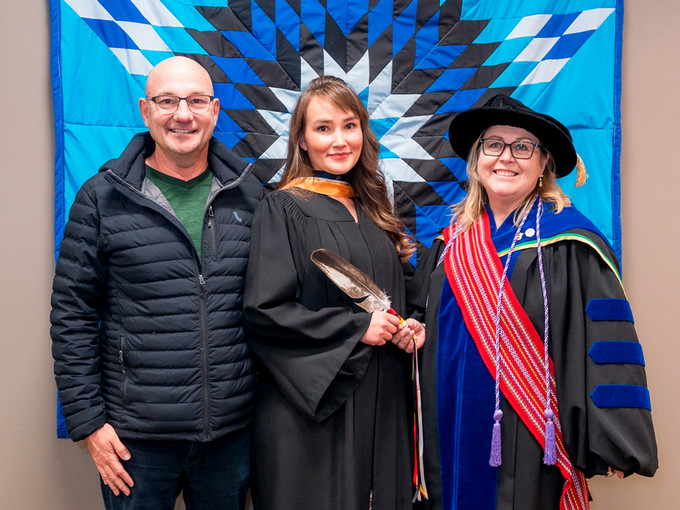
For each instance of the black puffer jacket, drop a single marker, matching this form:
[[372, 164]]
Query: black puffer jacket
[[145, 336]]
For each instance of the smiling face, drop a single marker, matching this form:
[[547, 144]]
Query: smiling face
[[509, 181], [181, 137], [332, 137]]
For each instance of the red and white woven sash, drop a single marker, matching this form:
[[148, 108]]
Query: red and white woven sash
[[474, 271]]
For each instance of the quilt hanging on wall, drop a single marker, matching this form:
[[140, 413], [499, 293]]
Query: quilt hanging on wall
[[415, 64]]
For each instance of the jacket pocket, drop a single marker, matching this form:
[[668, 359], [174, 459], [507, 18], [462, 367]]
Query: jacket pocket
[[123, 368]]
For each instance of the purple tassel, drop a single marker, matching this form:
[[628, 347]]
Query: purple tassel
[[550, 456], [495, 458]]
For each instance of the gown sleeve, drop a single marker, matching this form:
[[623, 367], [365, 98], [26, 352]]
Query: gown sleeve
[[306, 339], [604, 403]]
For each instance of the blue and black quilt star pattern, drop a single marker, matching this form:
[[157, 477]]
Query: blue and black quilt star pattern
[[415, 64]]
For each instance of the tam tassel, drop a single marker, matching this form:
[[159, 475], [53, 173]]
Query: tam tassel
[[581, 174], [495, 458], [550, 455]]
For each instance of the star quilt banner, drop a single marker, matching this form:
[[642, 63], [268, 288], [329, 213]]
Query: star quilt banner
[[414, 63]]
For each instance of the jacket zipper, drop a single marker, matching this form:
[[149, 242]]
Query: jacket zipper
[[203, 319], [213, 239], [204, 355]]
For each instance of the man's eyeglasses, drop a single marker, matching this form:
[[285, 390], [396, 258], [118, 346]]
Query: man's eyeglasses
[[520, 149], [197, 103]]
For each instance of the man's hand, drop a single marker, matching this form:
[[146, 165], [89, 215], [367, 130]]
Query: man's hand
[[106, 448]]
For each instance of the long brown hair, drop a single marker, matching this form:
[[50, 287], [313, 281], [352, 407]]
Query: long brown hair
[[366, 178], [466, 212]]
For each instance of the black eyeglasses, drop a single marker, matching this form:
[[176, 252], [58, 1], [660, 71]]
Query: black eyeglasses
[[520, 149], [197, 103]]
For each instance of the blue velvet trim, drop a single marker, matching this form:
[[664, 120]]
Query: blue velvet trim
[[465, 406], [617, 352], [621, 395], [552, 224], [609, 309]]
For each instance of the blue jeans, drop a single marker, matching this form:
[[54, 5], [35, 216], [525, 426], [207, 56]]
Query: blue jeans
[[213, 475]]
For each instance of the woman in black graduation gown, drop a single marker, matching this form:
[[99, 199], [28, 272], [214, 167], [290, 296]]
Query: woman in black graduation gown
[[332, 425], [505, 426]]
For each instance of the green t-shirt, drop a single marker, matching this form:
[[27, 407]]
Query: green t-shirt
[[187, 198]]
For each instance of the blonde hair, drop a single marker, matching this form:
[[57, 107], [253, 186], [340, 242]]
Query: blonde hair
[[366, 178], [468, 210]]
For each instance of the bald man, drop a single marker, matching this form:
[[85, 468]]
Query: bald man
[[149, 354]]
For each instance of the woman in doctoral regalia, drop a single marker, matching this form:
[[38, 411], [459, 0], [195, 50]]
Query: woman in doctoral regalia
[[519, 273], [332, 418]]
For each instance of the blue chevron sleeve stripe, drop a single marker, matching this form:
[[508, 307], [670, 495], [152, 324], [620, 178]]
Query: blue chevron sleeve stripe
[[621, 395], [617, 352], [609, 309]]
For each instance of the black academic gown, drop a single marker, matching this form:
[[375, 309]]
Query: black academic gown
[[595, 437], [331, 422]]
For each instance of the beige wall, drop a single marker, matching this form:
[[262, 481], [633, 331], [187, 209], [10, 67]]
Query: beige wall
[[650, 174], [38, 471]]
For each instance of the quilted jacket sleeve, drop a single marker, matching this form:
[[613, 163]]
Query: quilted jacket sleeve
[[78, 299]]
